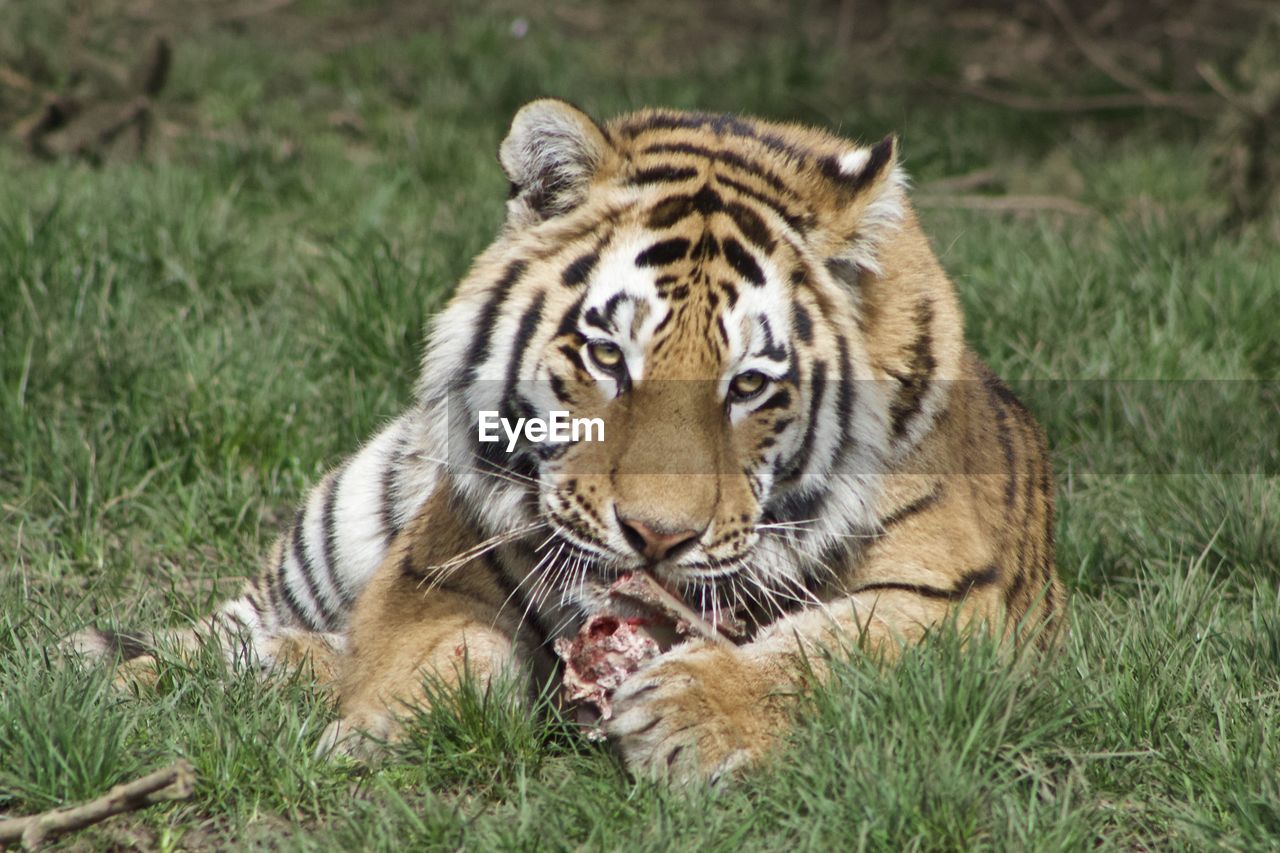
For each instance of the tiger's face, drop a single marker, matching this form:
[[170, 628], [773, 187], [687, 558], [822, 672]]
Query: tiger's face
[[690, 282], [681, 343]]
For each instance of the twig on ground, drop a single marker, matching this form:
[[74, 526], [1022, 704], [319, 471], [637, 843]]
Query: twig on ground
[[95, 129], [251, 10], [1200, 106], [1211, 76], [175, 782], [16, 80], [1008, 203], [230, 13], [969, 181]]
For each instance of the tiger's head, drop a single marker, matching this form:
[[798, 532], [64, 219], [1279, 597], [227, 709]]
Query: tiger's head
[[749, 310]]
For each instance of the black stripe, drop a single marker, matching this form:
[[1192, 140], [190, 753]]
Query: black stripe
[[798, 506], [1005, 438], [662, 324], [798, 222], [524, 333], [707, 248], [751, 226], [730, 292], [917, 589], [1048, 558], [721, 124], [1035, 463], [800, 460], [268, 579], [844, 395], [569, 321], [969, 581], [977, 578], [611, 305], [742, 261], [295, 606], [706, 201], [409, 566], [330, 538], [671, 211], [773, 350], [662, 175], [920, 366], [916, 506], [1050, 604], [594, 317], [729, 158], [662, 253], [306, 569], [390, 488], [572, 354], [485, 323], [1014, 589], [801, 323], [718, 123], [559, 389], [996, 386], [578, 270], [127, 646]]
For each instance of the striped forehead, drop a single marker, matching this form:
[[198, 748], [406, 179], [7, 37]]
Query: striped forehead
[[650, 279], [623, 297]]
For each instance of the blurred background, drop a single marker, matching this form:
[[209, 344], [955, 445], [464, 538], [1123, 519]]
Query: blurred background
[[104, 79]]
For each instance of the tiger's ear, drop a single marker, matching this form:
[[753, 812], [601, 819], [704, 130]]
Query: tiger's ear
[[551, 153], [865, 200]]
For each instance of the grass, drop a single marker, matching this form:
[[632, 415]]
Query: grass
[[186, 344]]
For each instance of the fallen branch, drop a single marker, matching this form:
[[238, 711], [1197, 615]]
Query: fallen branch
[[1210, 75], [1007, 203], [1200, 106], [96, 128], [175, 782], [1104, 61], [14, 80], [251, 10], [976, 180]]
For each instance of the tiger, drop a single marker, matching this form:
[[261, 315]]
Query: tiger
[[795, 436]]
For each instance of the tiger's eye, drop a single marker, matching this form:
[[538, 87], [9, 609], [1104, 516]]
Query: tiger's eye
[[746, 385], [606, 355]]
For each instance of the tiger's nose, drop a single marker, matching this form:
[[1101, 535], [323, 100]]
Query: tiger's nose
[[654, 542]]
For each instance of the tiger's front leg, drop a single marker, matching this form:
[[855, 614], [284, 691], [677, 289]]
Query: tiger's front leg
[[411, 628], [705, 710]]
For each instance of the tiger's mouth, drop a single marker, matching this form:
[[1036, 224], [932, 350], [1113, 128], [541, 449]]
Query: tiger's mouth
[[599, 585]]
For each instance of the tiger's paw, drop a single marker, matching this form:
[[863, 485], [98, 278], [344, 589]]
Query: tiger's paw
[[133, 662], [700, 713], [360, 736]]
